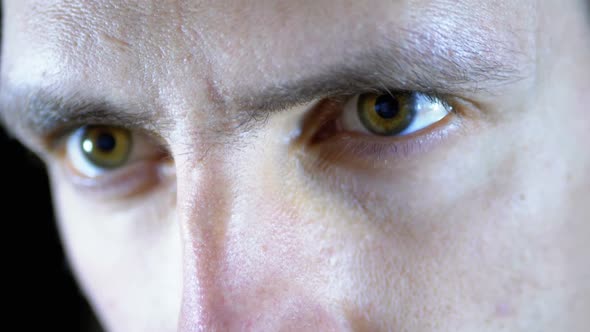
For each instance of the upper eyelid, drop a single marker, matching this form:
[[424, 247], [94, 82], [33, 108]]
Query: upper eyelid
[[56, 138], [96, 118], [138, 135], [345, 96], [445, 99]]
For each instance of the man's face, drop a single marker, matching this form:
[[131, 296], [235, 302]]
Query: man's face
[[411, 165]]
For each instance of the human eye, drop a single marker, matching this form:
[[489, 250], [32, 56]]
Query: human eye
[[110, 158], [393, 114], [377, 129]]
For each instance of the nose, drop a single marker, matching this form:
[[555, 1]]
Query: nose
[[248, 260]]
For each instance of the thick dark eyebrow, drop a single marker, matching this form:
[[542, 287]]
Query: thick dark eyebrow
[[475, 67], [46, 113]]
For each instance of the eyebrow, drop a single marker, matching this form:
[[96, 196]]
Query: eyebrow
[[474, 66], [46, 113]]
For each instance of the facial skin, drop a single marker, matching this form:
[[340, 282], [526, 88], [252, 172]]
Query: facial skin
[[241, 212]]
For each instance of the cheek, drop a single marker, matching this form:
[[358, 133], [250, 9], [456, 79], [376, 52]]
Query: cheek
[[126, 257], [463, 236]]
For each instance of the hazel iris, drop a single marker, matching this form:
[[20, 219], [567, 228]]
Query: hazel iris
[[106, 147], [386, 114]]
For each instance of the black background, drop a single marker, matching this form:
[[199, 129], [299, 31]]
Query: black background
[[41, 292]]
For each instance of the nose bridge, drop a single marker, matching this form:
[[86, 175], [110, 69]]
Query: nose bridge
[[245, 247], [204, 204]]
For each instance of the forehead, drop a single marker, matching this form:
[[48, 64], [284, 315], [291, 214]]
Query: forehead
[[155, 45]]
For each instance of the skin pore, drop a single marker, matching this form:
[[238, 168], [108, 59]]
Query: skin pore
[[252, 198]]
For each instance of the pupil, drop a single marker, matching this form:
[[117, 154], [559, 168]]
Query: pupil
[[106, 142], [387, 106]]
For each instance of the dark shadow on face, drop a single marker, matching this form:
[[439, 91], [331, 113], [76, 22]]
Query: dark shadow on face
[[41, 292]]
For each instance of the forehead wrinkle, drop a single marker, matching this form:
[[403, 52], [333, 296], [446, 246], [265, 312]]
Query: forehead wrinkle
[[83, 32], [73, 29]]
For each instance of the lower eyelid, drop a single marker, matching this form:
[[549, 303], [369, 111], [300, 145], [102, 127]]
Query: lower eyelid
[[359, 151], [131, 180]]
